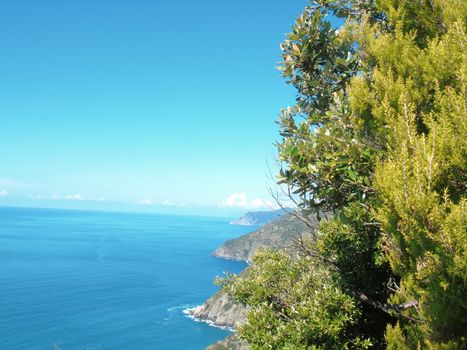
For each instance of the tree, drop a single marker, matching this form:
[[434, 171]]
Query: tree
[[377, 135]]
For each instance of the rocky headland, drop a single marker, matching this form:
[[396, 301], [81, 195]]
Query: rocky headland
[[279, 234], [259, 218], [220, 310], [229, 343]]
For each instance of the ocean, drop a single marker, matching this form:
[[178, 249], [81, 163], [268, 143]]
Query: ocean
[[78, 280]]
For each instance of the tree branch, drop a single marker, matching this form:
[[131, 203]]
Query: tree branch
[[391, 309]]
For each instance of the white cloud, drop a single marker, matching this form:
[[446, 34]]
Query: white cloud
[[37, 197], [165, 202], [241, 200], [10, 183], [68, 197], [172, 203], [146, 201], [3, 193]]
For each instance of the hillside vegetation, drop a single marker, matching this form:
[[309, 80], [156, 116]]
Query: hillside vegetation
[[279, 234], [258, 218], [377, 136], [221, 310]]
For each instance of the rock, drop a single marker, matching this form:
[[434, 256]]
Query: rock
[[220, 310], [280, 234], [258, 218], [229, 343]]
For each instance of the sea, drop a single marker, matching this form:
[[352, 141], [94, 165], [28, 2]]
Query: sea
[[83, 280]]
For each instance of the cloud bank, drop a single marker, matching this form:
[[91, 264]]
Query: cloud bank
[[165, 202], [241, 200], [146, 201], [68, 197]]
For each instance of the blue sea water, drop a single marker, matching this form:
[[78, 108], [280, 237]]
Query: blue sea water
[[95, 280]]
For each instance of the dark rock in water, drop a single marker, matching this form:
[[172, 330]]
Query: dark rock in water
[[280, 234], [258, 218]]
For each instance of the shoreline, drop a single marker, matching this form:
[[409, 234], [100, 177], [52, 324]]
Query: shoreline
[[189, 312]]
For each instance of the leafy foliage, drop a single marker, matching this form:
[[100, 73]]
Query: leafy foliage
[[377, 135], [303, 317]]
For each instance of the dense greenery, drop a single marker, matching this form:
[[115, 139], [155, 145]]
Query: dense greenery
[[377, 135]]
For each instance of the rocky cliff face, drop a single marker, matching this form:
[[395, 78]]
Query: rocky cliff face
[[279, 234], [258, 218], [220, 310], [229, 343]]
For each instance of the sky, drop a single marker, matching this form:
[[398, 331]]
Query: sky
[[142, 105]]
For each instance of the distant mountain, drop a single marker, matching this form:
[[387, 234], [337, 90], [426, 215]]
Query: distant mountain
[[258, 218], [279, 234]]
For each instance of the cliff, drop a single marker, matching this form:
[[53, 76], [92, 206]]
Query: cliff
[[220, 309], [278, 234], [258, 218], [229, 343]]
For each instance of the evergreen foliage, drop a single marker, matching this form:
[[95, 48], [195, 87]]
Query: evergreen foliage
[[377, 135]]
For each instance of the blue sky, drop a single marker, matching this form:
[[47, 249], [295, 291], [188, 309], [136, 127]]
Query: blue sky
[[141, 105]]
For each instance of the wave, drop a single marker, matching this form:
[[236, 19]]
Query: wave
[[188, 312]]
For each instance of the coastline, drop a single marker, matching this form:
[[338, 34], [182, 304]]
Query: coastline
[[166, 259], [220, 310], [190, 314]]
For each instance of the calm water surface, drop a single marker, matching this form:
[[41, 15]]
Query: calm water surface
[[96, 280]]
